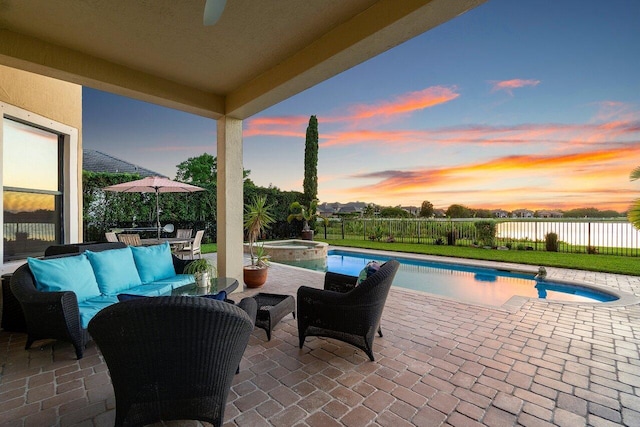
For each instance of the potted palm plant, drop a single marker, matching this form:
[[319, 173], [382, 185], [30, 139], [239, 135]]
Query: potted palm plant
[[257, 218], [203, 271], [304, 214]]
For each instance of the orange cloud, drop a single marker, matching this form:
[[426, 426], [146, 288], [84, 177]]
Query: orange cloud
[[395, 183], [584, 134], [509, 85], [406, 103], [295, 126], [291, 126]]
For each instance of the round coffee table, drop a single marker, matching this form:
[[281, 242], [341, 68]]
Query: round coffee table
[[227, 284]]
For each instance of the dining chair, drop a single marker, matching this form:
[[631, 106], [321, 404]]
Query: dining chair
[[130, 239], [183, 233], [192, 249], [111, 237]]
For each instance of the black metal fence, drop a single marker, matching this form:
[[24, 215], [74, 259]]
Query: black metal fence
[[606, 236]]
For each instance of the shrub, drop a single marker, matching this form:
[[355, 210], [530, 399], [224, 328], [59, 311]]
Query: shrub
[[486, 232], [551, 242], [521, 247], [592, 250]]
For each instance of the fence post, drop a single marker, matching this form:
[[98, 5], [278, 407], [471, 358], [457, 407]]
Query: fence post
[[325, 231], [342, 225]]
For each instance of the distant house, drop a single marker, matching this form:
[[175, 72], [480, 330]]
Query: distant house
[[439, 213], [550, 214], [413, 210], [499, 213], [522, 213], [97, 161]]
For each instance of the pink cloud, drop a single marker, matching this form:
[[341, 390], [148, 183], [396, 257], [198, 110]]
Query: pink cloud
[[295, 126], [406, 103], [509, 85]]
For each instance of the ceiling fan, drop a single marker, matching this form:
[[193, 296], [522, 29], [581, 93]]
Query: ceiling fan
[[213, 10]]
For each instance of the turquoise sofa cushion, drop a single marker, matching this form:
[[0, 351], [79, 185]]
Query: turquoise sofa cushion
[[115, 270], [153, 262], [177, 280], [72, 273], [92, 306], [151, 290]]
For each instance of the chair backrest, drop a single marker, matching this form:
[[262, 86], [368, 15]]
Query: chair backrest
[[130, 239], [376, 287], [198, 239], [173, 370], [111, 237], [183, 233]]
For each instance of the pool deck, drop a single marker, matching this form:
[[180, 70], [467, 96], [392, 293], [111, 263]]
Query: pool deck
[[440, 363]]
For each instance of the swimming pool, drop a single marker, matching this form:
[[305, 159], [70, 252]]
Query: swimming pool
[[464, 283]]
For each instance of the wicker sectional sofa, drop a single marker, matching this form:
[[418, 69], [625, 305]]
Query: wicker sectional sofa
[[60, 294]]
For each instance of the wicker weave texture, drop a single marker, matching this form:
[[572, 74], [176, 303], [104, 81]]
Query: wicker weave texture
[[171, 358], [353, 316]]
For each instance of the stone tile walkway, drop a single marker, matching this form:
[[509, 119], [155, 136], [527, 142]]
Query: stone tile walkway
[[440, 363]]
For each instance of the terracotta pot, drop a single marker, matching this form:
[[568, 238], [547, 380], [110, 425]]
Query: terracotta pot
[[307, 235], [254, 277]]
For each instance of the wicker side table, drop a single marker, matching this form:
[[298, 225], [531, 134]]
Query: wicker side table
[[271, 309]]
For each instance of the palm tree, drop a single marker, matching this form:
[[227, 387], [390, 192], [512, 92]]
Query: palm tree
[[634, 212], [257, 218], [303, 213]]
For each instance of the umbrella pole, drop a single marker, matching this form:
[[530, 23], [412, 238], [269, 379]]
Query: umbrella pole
[[157, 214]]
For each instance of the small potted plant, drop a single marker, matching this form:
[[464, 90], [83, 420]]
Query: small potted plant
[[203, 271], [257, 218]]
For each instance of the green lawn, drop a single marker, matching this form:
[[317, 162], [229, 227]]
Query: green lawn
[[602, 263], [579, 261], [207, 248]]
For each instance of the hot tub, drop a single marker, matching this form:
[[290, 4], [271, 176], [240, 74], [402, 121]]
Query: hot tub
[[294, 250]]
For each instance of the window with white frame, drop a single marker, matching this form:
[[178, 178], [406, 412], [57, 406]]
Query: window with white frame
[[39, 169]]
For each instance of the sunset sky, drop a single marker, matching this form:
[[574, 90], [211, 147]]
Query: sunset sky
[[516, 104]]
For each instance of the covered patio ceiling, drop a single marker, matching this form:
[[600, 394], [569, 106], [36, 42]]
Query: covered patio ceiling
[[258, 54]]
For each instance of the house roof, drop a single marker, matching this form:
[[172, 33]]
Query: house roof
[[258, 54], [97, 161]]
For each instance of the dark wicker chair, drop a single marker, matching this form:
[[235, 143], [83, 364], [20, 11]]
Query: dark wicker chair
[[353, 316], [55, 315], [171, 358]]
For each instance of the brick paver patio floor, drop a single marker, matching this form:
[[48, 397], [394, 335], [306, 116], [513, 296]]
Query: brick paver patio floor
[[440, 362]]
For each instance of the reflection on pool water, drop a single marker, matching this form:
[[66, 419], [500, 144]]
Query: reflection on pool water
[[464, 283]]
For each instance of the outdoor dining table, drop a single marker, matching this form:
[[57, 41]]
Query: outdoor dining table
[[174, 242]]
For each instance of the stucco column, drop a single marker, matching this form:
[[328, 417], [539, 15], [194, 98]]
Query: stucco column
[[230, 203]]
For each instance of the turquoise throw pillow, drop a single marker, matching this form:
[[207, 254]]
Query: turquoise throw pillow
[[368, 271], [115, 270], [72, 273], [153, 262]]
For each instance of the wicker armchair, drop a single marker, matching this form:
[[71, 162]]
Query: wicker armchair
[[171, 358], [55, 315], [352, 317]]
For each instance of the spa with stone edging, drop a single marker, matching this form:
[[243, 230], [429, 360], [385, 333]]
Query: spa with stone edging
[[293, 250]]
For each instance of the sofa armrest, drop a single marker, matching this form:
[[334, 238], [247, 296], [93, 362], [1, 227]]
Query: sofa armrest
[[179, 264]]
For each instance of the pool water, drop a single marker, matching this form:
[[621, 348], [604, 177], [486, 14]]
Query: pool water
[[470, 284]]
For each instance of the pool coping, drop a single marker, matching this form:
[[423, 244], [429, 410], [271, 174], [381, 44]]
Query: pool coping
[[516, 301]]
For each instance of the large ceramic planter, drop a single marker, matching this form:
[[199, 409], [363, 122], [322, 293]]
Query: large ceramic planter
[[307, 235], [254, 277]]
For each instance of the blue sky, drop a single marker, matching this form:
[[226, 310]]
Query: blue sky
[[515, 104]]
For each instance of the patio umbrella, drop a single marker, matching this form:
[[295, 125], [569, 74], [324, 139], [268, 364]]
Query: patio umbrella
[[154, 184]]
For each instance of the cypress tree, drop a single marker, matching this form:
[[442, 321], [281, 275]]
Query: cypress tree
[[310, 183]]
